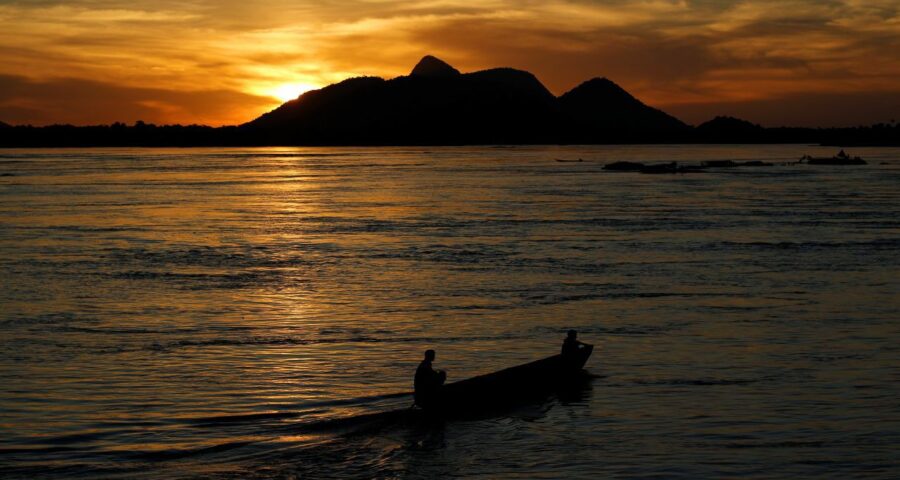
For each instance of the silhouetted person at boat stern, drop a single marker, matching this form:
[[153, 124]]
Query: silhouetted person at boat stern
[[428, 381], [571, 348]]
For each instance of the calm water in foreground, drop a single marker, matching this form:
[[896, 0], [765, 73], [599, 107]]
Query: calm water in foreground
[[235, 313]]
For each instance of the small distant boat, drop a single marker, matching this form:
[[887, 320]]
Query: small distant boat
[[512, 384], [840, 159], [564, 160]]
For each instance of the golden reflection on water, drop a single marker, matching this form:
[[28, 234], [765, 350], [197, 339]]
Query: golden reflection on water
[[169, 286]]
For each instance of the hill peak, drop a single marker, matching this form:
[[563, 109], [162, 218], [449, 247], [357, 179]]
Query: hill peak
[[723, 121], [602, 86], [437, 105], [430, 66]]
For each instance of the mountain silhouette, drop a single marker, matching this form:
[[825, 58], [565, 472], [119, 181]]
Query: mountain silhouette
[[430, 66], [730, 129], [436, 104], [600, 109]]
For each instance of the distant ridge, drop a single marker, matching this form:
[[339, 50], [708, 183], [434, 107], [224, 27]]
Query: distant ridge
[[730, 129], [436, 104], [5, 125]]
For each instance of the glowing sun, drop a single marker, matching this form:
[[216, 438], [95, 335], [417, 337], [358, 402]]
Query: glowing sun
[[290, 91]]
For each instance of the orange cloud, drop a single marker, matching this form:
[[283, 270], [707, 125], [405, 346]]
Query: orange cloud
[[690, 57], [85, 102]]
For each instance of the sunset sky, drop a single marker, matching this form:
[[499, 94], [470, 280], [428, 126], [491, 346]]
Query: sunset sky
[[784, 62]]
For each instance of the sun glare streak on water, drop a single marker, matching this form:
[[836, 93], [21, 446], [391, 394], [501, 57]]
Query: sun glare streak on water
[[241, 312]]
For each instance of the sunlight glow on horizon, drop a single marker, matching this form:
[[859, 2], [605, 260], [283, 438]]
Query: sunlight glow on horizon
[[798, 62], [290, 91]]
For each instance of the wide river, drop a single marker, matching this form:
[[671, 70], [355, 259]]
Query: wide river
[[247, 313]]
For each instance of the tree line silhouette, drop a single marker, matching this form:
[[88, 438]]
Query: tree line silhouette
[[143, 134]]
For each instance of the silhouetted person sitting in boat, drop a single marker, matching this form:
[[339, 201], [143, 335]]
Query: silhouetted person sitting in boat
[[428, 381], [571, 346]]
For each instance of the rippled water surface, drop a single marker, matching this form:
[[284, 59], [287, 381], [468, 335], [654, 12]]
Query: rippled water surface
[[251, 313]]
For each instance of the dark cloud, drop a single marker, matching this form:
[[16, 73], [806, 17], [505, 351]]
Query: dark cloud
[[563, 59], [796, 71]]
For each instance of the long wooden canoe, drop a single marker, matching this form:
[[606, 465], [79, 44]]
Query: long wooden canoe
[[509, 385]]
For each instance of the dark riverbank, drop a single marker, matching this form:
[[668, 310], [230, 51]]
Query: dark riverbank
[[149, 135]]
